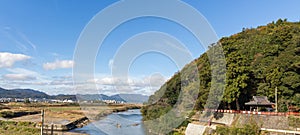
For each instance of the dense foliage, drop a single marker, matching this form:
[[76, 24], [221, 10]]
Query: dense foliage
[[257, 61]]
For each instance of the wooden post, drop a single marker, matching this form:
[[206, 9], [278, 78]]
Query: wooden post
[[42, 126], [52, 128]]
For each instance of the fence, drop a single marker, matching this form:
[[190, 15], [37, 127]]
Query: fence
[[255, 112]]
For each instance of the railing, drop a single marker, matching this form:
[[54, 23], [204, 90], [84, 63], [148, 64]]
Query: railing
[[255, 112], [281, 131]]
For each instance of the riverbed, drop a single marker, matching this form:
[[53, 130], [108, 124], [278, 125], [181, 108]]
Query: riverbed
[[125, 123]]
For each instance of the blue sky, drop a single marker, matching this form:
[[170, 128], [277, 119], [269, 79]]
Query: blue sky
[[38, 38]]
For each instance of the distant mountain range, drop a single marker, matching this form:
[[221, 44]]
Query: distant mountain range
[[29, 93], [129, 98], [134, 98], [22, 93]]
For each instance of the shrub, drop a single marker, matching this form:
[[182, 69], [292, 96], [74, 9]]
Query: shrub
[[248, 129], [294, 121], [7, 114]]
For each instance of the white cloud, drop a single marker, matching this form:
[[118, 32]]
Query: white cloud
[[22, 70], [9, 59], [155, 80], [112, 81], [110, 85], [62, 82], [58, 65], [18, 77], [18, 74]]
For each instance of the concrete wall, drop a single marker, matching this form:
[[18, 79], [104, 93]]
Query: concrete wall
[[193, 129], [226, 119]]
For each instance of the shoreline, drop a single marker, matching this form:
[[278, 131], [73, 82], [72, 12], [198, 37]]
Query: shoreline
[[83, 121], [67, 118], [114, 123]]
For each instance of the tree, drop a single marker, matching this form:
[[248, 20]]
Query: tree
[[237, 78]]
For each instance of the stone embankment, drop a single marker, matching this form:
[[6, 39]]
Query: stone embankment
[[269, 123]]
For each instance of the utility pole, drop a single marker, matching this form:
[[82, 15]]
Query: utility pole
[[276, 100], [42, 127]]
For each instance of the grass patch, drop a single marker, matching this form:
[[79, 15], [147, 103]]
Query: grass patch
[[248, 129], [61, 109], [18, 128]]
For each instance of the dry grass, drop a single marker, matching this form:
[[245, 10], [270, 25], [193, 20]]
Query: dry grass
[[62, 114]]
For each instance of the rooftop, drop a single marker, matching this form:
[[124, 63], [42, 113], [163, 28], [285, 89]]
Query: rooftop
[[259, 100]]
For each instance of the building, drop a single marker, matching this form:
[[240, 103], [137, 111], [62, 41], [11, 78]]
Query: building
[[259, 102]]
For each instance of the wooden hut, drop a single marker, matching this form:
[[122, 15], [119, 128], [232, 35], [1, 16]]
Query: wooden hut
[[259, 102]]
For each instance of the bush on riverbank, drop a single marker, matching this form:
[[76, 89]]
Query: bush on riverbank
[[6, 114], [11, 114]]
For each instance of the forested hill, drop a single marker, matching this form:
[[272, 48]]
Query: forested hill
[[257, 61]]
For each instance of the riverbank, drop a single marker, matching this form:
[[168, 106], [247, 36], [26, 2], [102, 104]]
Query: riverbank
[[62, 117], [126, 122], [106, 110]]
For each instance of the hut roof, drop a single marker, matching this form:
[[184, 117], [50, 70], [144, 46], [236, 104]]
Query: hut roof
[[259, 100]]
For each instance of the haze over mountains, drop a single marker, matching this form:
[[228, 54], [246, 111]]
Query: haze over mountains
[[29, 93]]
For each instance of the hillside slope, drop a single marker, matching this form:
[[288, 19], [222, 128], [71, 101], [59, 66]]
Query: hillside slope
[[257, 61]]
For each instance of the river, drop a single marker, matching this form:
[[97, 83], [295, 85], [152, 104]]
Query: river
[[125, 123]]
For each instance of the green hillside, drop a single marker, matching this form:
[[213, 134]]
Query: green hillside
[[257, 61]]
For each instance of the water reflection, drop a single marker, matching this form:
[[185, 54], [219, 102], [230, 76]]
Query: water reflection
[[121, 123]]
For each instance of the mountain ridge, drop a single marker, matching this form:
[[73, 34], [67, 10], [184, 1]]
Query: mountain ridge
[[31, 93]]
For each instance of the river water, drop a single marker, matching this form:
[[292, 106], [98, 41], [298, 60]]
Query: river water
[[121, 123]]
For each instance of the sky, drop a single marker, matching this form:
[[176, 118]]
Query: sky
[[38, 40]]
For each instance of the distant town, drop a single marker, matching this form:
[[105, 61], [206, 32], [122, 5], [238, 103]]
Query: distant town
[[35, 96], [44, 100]]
